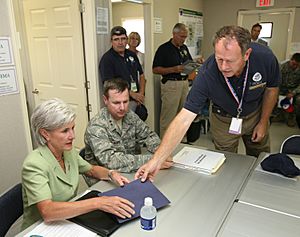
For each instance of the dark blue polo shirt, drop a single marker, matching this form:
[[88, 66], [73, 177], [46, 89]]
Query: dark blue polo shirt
[[210, 83], [168, 55], [113, 65]]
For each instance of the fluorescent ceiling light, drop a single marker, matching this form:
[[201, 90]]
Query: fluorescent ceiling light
[[135, 1]]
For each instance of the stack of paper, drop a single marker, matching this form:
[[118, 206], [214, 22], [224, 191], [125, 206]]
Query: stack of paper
[[199, 160], [60, 229]]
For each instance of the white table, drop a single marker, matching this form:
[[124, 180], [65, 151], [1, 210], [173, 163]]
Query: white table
[[272, 191], [246, 220], [269, 205], [199, 203]]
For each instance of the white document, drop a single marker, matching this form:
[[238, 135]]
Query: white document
[[60, 229], [190, 66], [199, 160]]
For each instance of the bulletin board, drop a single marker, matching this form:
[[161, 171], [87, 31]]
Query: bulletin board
[[194, 22]]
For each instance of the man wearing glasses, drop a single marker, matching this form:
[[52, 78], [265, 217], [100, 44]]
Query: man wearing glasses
[[119, 62]]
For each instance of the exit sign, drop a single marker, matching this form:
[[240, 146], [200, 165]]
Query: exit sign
[[264, 3]]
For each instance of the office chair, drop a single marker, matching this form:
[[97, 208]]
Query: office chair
[[291, 145], [11, 208], [82, 153]]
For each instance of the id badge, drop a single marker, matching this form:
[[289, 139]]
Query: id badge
[[133, 86], [235, 126]]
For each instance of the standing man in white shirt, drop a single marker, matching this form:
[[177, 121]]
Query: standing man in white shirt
[[255, 31]]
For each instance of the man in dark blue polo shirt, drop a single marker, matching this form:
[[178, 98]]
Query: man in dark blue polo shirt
[[167, 62], [119, 62], [241, 79]]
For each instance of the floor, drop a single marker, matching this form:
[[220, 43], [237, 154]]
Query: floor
[[278, 133]]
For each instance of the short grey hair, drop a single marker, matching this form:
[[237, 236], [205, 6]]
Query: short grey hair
[[240, 34], [179, 27], [50, 115]]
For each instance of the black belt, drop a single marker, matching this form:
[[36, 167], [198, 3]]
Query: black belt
[[165, 79], [218, 110]]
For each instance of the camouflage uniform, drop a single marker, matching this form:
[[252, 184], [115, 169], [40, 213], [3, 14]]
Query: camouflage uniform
[[109, 146], [291, 83]]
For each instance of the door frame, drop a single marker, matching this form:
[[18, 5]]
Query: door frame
[[291, 11], [90, 51], [90, 45]]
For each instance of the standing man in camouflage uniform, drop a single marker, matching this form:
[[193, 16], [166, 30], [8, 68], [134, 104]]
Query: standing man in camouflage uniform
[[290, 86], [112, 135]]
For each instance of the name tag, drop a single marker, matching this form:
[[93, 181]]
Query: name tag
[[253, 87], [235, 126], [133, 86]]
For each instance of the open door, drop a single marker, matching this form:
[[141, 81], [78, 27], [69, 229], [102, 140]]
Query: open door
[[283, 21]]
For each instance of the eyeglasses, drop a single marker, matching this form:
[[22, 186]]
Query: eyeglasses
[[119, 39]]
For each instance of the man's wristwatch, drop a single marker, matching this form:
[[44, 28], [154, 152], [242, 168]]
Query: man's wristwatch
[[110, 175]]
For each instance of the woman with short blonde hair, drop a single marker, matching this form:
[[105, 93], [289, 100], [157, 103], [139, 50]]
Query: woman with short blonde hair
[[50, 174], [134, 40]]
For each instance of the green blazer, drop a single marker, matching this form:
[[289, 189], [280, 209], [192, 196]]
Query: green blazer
[[44, 179]]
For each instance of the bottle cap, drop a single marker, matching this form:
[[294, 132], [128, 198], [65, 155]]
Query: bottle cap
[[148, 201]]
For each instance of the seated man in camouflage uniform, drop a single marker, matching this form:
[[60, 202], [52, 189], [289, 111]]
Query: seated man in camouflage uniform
[[290, 86], [112, 135]]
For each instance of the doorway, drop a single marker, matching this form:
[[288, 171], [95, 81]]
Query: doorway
[[283, 21], [142, 10]]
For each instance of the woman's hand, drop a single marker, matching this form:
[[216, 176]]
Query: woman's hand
[[116, 205], [117, 178]]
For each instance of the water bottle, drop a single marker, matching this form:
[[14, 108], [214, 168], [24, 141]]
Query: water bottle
[[148, 215]]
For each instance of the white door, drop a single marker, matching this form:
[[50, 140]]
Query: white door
[[281, 33], [54, 36]]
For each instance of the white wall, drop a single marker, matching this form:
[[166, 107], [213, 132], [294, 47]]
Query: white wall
[[218, 13], [15, 142]]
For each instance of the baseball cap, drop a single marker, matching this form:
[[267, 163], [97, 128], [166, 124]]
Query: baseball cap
[[118, 30], [280, 163]]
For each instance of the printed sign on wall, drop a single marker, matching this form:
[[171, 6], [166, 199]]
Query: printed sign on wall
[[6, 56], [8, 81], [194, 22]]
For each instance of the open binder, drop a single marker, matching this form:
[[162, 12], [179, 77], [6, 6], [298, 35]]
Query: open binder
[[199, 160], [100, 222]]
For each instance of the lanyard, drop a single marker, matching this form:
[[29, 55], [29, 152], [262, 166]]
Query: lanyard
[[240, 103]]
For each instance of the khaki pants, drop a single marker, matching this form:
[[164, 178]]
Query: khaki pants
[[173, 95], [225, 141]]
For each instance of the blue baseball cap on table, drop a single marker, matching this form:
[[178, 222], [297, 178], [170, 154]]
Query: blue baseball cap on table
[[280, 163]]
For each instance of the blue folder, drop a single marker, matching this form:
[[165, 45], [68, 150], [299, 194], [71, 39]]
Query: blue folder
[[136, 191]]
